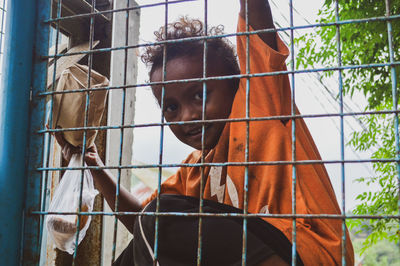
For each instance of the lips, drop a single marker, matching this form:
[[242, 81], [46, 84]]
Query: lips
[[196, 131]]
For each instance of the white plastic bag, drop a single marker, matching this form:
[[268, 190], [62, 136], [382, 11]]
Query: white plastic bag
[[63, 228]]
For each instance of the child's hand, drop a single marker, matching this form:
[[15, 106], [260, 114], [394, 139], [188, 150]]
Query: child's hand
[[260, 17], [92, 157]]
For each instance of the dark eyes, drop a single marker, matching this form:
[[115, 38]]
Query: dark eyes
[[170, 108], [198, 95]]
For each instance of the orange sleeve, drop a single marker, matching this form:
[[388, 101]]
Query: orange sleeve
[[173, 185], [318, 240], [269, 94], [177, 183]]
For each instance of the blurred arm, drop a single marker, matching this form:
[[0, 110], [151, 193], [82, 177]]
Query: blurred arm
[[260, 17]]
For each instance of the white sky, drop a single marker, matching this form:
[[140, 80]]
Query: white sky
[[311, 98]]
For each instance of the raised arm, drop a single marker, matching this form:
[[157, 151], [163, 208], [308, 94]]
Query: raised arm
[[260, 17], [105, 183]]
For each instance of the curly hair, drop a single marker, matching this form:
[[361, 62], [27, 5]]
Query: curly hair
[[185, 27]]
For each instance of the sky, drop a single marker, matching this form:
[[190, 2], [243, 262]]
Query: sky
[[311, 97]]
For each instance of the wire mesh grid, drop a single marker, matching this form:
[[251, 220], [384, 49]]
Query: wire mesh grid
[[247, 75]]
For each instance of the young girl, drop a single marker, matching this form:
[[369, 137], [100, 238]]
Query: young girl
[[223, 147]]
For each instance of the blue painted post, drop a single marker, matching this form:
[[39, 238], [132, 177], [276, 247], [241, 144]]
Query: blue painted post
[[14, 124], [31, 242]]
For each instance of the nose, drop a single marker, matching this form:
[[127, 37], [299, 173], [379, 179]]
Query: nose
[[190, 112]]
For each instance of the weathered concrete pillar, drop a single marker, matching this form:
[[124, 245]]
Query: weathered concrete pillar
[[122, 34]]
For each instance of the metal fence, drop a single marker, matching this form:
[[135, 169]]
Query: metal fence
[[25, 131]]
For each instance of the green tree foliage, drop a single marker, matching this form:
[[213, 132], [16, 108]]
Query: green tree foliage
[[384, 253], [362, 44]]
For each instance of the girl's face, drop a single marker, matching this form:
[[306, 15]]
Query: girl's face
[[183, 101]]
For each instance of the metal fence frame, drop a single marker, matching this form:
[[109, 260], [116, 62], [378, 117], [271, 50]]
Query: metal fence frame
[[27, 37]]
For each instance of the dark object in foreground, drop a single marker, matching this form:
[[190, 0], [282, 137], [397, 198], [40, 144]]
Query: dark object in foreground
[[221, 236]]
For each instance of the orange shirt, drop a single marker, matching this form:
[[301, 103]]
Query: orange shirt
[[269, 186]]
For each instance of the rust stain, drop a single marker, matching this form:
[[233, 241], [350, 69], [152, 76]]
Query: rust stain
[[239, 147]]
